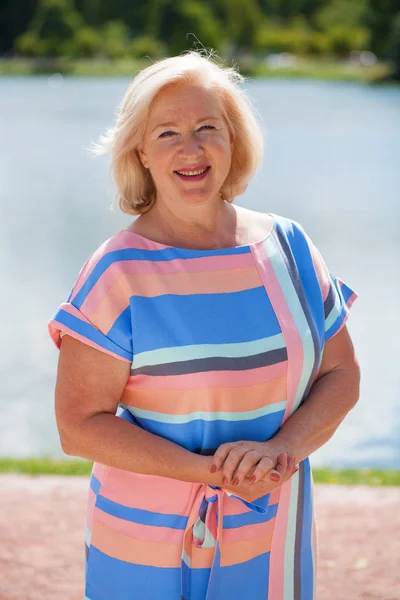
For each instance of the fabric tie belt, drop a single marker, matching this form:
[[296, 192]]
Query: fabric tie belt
[[204, 530]]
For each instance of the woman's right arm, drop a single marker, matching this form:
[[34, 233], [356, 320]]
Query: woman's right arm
[[88, 389]]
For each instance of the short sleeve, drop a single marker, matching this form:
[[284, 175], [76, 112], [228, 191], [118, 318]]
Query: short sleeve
[[337, 296], [97, 310]]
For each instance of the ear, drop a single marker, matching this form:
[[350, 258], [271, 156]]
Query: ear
[[143, 158]]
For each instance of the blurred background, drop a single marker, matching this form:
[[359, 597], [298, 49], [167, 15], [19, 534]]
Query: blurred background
[[324, 77]]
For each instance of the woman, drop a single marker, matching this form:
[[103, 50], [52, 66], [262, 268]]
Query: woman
[[204, 354]]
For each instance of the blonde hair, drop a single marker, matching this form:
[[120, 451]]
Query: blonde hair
[[136, 190]]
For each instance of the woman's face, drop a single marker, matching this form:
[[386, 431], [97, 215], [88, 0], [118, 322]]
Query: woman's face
[[185, 132]]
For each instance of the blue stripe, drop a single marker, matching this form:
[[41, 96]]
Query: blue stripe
[[90, 332], [121, 331], [95, 484], [303, 259], [109, 578], [306, 558], [250, 518], [211, 434], [248, 580], [172, 320], [138, 515], [152, 255]]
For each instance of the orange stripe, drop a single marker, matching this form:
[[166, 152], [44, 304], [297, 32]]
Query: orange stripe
[[248, 532], [239, 552], [137, 530], [229, 399], [139, 552]]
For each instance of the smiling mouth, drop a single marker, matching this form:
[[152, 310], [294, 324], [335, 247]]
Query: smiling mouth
[[195, 175]]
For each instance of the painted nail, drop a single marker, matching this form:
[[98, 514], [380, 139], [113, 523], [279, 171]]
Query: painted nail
[[213, 468], [224, 481], [235, 481], [252, 479], [274, 477]]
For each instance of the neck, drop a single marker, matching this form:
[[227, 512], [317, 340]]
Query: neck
[[210, 225]]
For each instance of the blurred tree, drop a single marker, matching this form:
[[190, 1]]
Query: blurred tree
[[242, 21], [344, 23], [116, 39], [147, 45], [182, 17], [15, 16], [87, 43], [52, 27], [393, 46], [380, 19]]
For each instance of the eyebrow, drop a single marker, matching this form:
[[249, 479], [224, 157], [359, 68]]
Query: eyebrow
[[172, 124]]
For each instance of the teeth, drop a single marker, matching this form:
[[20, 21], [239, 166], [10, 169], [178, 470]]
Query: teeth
[[192, 172]]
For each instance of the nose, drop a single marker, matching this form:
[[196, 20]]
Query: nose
[[191, 146]]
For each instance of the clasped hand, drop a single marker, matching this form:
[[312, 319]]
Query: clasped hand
[[252, 469]]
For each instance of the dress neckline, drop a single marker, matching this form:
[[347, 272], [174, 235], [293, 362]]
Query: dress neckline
[[162, 246]]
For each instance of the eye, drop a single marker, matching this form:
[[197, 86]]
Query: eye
[[166, 134], [207, 127]]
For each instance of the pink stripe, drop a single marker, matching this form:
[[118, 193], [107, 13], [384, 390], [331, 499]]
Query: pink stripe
[[113, 243], [55, 328], [289, 329], [100, 471], [209, 378], [150, 492], [277, 564], [90, 508], [159, 269], [139, 531]]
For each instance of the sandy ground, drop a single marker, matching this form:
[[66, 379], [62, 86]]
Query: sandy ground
[[42, 523]]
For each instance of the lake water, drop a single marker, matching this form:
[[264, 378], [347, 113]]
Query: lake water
[[331, 162]]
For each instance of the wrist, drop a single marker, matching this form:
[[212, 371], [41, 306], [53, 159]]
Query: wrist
[[200, 471], [282, 445]]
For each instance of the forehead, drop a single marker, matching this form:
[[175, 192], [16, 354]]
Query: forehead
[[181, 101]]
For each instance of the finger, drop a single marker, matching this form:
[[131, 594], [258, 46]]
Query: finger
[[290, 465], [232, 463], [281, 465], [220, 456], [264, 467], [246, 466]]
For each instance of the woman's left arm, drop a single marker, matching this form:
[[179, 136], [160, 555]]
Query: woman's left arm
[[333, 394]]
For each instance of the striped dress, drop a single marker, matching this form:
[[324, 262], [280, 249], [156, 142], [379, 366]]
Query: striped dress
[[224, 345]]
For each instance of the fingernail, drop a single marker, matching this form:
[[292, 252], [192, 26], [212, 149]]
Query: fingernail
[[213, 468], [295, 469], [235, 481], [224, 480], [252, 479], [274, 477]]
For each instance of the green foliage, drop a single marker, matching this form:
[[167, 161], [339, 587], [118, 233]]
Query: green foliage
[[51, 30], [393, 46], [239, 29], [87, 42], [116, 39], [146, 45]]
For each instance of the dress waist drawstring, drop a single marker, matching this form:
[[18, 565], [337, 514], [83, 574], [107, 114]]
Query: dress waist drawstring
[[204, 529]]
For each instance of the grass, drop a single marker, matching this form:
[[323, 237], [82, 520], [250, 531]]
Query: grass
[[49, 466], [307, 67]]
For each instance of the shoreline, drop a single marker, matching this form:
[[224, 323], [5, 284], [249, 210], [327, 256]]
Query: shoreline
[[297, 68], [79, 467]]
